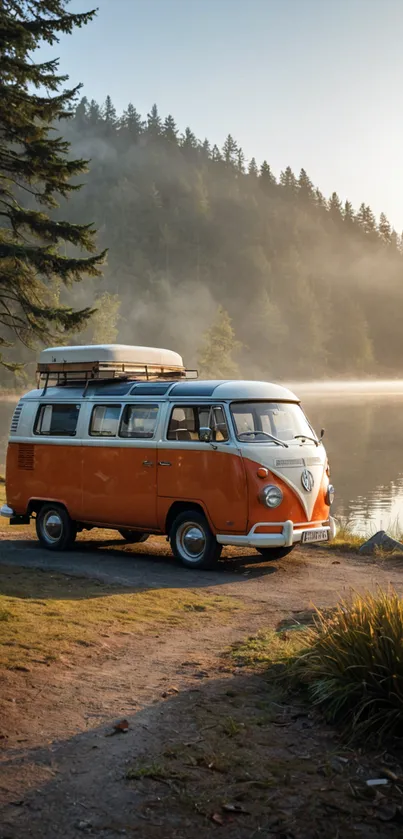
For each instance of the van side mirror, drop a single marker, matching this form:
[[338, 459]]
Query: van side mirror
[[322, 433], [205, 434]]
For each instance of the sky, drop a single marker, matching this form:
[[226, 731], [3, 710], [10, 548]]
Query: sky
[[307, 83]]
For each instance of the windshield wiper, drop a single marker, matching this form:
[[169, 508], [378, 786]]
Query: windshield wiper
[[266, 434], [306, 437]]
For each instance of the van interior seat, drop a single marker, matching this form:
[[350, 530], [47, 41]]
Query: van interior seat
[[184, 434]]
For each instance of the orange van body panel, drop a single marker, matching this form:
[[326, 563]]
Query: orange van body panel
[[55, 475], [214, 478], [321, 510], [118, 488], [110, 485], [290, 508]]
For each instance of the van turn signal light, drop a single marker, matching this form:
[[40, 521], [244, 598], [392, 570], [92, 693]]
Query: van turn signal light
[[262, 472]]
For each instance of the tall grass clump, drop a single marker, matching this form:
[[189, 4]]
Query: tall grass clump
[[353, 665]]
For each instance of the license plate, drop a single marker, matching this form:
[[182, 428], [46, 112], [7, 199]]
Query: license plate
[[315, 535]]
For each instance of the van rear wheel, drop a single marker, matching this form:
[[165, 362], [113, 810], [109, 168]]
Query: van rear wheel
[[133, 536], [192, 541], [55, 529], [275, 553]]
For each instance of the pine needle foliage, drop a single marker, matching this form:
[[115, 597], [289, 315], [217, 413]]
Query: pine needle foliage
[[35, 173]]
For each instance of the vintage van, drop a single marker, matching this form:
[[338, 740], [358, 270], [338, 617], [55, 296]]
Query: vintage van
[[121, 437]]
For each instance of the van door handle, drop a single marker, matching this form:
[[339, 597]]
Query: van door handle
[[148, 463], [164, 463]]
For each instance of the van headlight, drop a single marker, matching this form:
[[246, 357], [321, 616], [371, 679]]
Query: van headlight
[[329, 495], [271, 496]]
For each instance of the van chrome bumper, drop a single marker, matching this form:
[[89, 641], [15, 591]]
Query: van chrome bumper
[[6, 511], [290, 534]]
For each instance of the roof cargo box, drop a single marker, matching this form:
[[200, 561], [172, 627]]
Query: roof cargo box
[[64, 365]]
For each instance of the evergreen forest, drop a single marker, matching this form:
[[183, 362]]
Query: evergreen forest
[[242, 270]]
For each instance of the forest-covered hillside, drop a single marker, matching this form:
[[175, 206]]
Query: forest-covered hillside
[[313, 287]]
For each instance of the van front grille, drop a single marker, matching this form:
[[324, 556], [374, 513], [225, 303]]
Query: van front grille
[[26, 456]]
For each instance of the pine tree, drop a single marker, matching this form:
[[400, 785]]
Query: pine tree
[[252, 168], [205, 149], [335, 208], [320, 200], [348, 214], [394, 240], [370, 221], [153, 124], [366, 219], [94, 113], [230, 151], [289, 182], [240, 162], [215, 359], [104, 322], [132, 123], [81, 114], [169, 130], [384, 229], [305, 188], [266, 178], [189, 143], [216, 154], [360, 217], [35, 161], [109, 112]]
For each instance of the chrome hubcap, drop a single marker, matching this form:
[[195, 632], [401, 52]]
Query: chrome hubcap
[[192, 541], [52, 526]]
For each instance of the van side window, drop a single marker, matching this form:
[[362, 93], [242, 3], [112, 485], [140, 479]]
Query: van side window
[[186, 420], [57, 420], [139, 421], [105, 420]]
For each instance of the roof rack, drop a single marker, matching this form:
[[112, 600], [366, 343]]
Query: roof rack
[[65, 378], [64, 366]]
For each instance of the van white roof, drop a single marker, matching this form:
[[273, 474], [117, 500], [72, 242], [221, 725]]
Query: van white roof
[[110, 353], [173, 390]]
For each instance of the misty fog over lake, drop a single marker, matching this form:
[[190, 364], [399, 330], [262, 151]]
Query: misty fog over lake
[[362, 422]]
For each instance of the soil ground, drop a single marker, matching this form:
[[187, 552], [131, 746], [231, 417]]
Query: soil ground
[[210, 746]]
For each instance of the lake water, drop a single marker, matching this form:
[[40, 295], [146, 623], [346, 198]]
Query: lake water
[[362, 422]]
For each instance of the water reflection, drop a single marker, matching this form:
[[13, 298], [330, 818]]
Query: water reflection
[[363, 423], [362, 441]]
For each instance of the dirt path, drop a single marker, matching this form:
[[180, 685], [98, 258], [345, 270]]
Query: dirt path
[[61, 776], [305, 575]]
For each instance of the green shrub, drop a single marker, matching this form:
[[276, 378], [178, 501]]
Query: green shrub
[[353, 665]]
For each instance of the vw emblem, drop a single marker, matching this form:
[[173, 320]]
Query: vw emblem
[[307, 480]]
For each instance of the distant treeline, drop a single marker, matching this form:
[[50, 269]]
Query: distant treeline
[[313, 286]]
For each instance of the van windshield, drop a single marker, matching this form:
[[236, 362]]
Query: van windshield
[[257, 422]]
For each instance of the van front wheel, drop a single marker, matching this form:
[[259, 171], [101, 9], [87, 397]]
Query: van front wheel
[[192, 541], [54, 527]]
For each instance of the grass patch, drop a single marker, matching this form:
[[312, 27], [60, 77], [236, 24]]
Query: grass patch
[[349, 664], [353, 666], [268, 647], [346, 539], [45, 615]]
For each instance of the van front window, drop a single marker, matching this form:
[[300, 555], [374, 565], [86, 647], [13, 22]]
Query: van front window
[[261, 421]]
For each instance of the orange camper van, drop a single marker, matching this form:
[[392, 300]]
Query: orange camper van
[[124, 438]]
